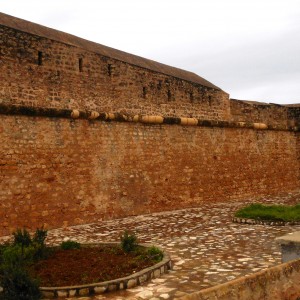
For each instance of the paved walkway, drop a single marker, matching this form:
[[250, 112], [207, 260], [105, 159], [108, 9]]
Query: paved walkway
[[206, 247]]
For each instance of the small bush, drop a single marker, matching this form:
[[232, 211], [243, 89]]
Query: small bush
[[38, 241], [2, 249], [14, 256], [67, 245], [22, 237], [40, 236], [155, 253], [17, 285], [129, 242], [15, 259]]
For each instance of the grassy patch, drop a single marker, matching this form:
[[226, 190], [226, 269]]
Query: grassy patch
[[270, 212]]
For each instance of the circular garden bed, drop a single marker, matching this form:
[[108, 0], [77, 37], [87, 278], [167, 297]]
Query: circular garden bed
[[30, 269], [95, 269]]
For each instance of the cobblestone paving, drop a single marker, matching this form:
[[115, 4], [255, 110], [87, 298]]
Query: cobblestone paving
[[205, 246]]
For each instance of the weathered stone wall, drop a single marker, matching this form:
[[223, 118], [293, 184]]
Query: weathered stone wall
[[276, 283], [294, 114], [37, 71], [273, 114], [61, 171]]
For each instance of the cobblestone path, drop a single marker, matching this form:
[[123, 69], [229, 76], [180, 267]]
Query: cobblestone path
[[205, 246]]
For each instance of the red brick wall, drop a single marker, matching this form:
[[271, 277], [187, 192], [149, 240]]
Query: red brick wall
[[104, 84], [62, 171]]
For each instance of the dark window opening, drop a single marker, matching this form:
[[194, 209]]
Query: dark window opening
[[144, 92], [209, 98], [191, 96], [40, 58], [109, 69], [169, 95], [80, 63], [159, 85]]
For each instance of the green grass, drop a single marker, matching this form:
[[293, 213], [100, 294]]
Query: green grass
[[270, 212]]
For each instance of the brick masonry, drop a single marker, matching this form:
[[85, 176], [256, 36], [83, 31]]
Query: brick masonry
[[61, 171]]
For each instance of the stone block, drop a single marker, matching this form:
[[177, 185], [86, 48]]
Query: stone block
[[84, 292], [100, 289], [290, 246], [131, 283]]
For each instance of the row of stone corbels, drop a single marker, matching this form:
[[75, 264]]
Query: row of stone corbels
[[177, 120], [94, 115]]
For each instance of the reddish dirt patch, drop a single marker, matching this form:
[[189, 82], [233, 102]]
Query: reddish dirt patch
[[88, 265]]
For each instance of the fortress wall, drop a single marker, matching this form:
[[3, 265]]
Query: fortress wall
[[62, 172], [37, 71], [272, 114], [294, 114]]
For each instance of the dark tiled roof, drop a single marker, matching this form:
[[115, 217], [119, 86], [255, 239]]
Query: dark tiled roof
[[69, 39]]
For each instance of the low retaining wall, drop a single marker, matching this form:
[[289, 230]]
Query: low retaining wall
[[130, 281], [277, 283], [263, 222]]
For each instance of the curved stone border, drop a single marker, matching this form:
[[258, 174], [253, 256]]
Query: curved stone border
[[262, 222], [117, 284], [10, 109]]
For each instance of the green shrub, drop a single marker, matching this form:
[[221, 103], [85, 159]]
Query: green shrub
[[155, 254], [129, 242], [40, 236], [15, 258], [67, 245], [2, 249], [22, 237], [15, 255], [38, 241], [17, 285]]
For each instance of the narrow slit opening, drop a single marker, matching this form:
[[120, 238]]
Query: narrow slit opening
[[169, 95], [109, 69], [191, 96], [40, 58], [144, 92], [80, 61]]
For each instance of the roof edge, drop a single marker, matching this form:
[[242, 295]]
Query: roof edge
[[66, 38]]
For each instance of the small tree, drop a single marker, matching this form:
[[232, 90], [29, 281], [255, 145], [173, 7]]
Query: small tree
[[129, 241]]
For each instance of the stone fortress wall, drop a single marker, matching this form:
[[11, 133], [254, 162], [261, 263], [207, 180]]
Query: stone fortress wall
[[55, 71], [89, 133]]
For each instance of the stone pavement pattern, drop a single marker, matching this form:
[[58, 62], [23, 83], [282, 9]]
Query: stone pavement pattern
[[205, 246]]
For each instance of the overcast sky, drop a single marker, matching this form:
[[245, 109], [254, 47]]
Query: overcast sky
[[249, 48]]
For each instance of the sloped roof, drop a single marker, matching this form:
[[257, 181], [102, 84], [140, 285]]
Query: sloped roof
[[252, 102], [42, 31]]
